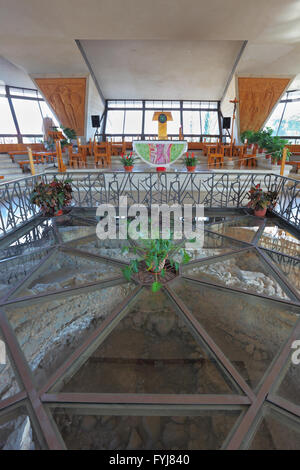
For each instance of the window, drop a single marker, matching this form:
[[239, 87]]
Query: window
[[7, 125], [285, 119], [133, 122], [115, 122], [28, 116], [125, 118], [191, 122], [25, 123]]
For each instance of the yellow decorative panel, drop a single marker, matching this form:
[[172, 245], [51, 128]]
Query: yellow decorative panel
[[257, 98], [67, 98]]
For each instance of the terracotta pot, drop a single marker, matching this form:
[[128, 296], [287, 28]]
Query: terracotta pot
[[268, 155], [128, 168], [160, 168], [260, 212], [191, 168], [278, 162], [160, 267]]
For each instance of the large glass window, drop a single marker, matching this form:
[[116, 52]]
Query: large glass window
[[133, 119], [191, 122], [133, 122], [7, 125], [29, 116], [21, 115], [285, 119], [115, 122]]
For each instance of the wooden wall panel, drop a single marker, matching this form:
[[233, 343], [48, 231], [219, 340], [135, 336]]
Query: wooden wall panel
[[67, 98], [257, 98]]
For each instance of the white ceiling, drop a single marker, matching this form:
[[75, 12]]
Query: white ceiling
[[40, 37], [162, 69]]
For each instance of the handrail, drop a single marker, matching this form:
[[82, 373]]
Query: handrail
[[212, 189]]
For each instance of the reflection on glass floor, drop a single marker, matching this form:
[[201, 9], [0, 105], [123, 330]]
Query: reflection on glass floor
[[275, 238], [208, 342], [90, 429]]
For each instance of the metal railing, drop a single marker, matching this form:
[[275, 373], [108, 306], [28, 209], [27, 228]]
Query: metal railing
[[212, 189]]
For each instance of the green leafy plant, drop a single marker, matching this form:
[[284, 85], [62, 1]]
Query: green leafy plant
[[52, 197], [190, 160], [246, 135], [151, 255]]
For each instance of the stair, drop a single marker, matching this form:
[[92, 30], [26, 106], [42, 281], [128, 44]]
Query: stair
[[9, 169]]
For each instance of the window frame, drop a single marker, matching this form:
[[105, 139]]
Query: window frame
[[10, 97], [196, 106]]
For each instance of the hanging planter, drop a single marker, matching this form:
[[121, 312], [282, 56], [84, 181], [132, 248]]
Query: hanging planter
[[52, 197]]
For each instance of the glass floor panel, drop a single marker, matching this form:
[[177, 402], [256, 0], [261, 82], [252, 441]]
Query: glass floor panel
[[89, 428], [290, 267], [108, 248], [249, 331], [17, 432], [64, 270], [243, 228], [246, 271], [214, 245], [276, 432], [8, 382], [276, 238], [143, 354], [14, 270], [71, 233], [165, 355], [41, 235], [289, 388], [49, 330]]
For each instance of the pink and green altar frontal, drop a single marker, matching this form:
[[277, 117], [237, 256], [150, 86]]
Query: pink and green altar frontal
[[160, 152]]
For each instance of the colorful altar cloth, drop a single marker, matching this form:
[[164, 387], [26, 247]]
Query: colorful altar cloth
[[160, 152]]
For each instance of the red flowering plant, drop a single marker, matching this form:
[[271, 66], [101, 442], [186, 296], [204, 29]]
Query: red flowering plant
[[127, 160], [190, 160], [260, 199], [52, 197]]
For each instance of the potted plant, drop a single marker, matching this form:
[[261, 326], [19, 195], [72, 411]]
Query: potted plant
[[52, 197], [259, 200], [190, 162], [127, 161], [151, 256]]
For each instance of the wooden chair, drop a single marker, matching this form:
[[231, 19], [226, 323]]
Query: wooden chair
[[102, 153], [215, 157], [76, 160], [249, 159], [126, 146]]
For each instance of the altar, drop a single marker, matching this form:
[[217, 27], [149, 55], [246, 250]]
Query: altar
[[160, 153]]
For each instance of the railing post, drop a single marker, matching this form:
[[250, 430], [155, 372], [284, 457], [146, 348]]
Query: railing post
[[61, 167], [284, 154], [32, 169]]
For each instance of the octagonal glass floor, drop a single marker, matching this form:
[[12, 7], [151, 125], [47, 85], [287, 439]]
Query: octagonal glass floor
[[89, 360]]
